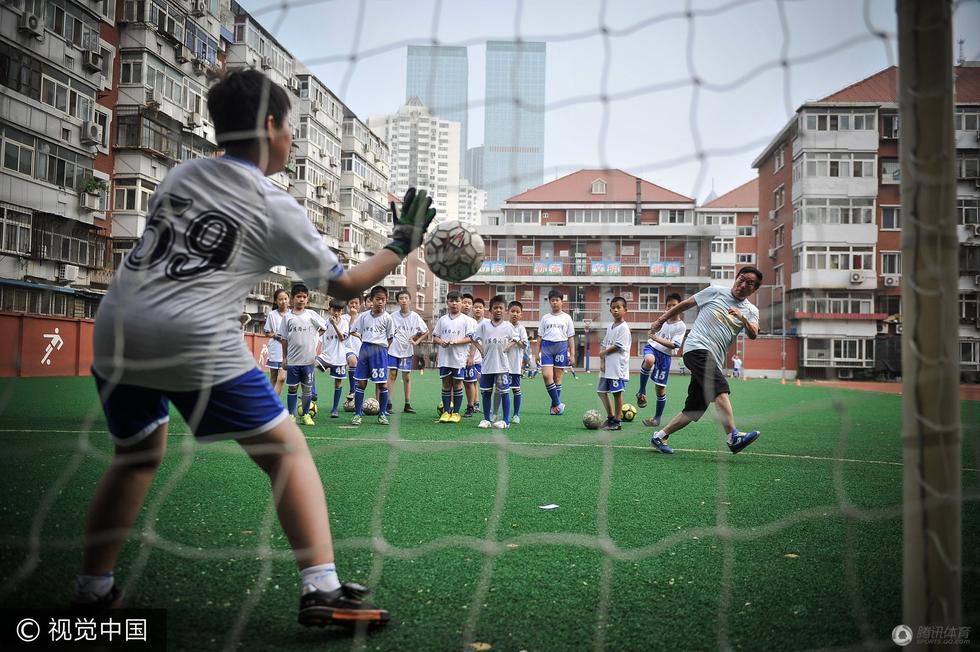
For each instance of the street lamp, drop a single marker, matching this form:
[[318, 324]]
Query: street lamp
[[588, 326]]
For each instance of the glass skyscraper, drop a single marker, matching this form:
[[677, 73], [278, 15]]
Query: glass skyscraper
[[438, 75], [513, 138]]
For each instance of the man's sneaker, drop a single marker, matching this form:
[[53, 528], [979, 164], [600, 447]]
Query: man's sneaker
[[409, 409], [742, 440], [110, 600], [612, 424], [454, 417], [469, 411], [334, 414], [641, 400], [314, 410], [651, 422], [356, 421], [383, 419], [446, 417], [515, 419], [345, 606], [500, 425], [476, 406], [484, 424], [350, 397], [308, 420], [561, 408], [661, 446]]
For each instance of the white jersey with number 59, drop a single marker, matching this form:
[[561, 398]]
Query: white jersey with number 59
[[215, 227]]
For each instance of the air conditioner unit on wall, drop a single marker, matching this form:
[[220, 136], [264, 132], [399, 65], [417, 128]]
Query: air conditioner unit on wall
[[32, 24], [976, 280], [198, 8], [266, 63], [976, 230], [67, 272], [91, 133], [772, 252], [891, 281], [194, 119], [856, 277], [92, 61], [182, 53], [151, 99]]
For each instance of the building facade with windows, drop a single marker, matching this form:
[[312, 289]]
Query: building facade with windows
[[56, 117], [830, 223], [438, 75], [592, 235], [736, 214]]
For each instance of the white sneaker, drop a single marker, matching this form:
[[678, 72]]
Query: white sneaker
[[484, 424], [500, 425], [515, 419]]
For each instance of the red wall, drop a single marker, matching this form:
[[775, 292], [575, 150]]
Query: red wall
[[25, 346]]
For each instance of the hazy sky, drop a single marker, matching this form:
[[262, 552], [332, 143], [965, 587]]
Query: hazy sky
[[643, 56]]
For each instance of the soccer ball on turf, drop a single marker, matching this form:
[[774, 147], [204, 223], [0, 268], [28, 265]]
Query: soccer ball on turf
[[349, 405], [371, 406], [454, 251], [592, 420], [440, 409], [628, 413], [313, 409]]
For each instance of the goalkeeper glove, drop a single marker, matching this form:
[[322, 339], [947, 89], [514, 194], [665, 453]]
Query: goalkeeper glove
[[417, 214]]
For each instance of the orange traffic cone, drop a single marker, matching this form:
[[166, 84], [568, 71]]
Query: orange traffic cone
[[782, 381]]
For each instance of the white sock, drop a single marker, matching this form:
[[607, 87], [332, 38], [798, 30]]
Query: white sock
[[89, 588], [660, 434], [321, 578]]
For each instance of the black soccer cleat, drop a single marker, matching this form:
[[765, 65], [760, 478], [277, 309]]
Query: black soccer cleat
[[468, 412], [344, 606], [409, 409]]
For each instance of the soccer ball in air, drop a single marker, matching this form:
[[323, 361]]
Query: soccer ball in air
[[371, 406], [592, 420], [454, 251], [628, 413], [349, 405]]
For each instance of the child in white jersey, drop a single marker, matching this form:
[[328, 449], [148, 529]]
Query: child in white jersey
[[215, 227], [352, 343], [301, 330], [409, 331], [272, 327], [495, 337], [557, 334], [332, 358], [615, 356], [375, 328], [657, 356], [453, 334]]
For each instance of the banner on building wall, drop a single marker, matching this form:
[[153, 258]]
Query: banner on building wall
[[607, 268], [665, 268], [547, 268], [493, 267]]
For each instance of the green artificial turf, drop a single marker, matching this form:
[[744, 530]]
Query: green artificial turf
[[795, 543]]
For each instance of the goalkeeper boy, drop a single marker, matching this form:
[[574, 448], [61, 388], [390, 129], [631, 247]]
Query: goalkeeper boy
[[216, 226]]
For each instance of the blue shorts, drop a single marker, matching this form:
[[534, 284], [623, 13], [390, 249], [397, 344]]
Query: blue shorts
[[273, 364], [611, 386], [299, 373], [471, 374], [241, 407], [500, 381], [401, 364], [661, 367], [372, 363], [554, 354], [455, 374], [336, 371], [515, 381]]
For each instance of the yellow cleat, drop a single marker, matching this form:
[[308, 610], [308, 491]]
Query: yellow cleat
[[308, 420], [445, 418], [455, 417]]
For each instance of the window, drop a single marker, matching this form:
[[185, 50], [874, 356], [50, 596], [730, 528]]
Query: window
[[15, 231], [779, 159], [745, 259], [597, 216], [967, 119], [420, 278], [833, 211], [745, 231], [970, 306], [969, 260], [779, 197], [970, 354], [507, 250], [649, 299], [18, 151], [723, 246], [967, 168], [891, 262], [598, 187], [777, 237], [837, 120], [833, 257], [891, 218], [838, 164], [521, 217], [674, 216], [777, 275], [419, 301], [132, 194], [722, 272], [718, 218], [889, 126], [968, 209], [837, 352], [891, 172]]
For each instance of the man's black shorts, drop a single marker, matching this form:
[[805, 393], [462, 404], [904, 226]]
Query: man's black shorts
[[707, 382]]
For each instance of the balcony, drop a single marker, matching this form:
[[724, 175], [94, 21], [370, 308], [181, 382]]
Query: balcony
[[596, 311], [835, 279], [624, 270], [855, 234], [566, 231]]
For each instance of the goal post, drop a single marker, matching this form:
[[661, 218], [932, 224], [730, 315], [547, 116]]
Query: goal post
[[931, 432]]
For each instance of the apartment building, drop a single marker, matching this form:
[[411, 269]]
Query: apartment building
[[830, 224], [592, 235], [736, 214]]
